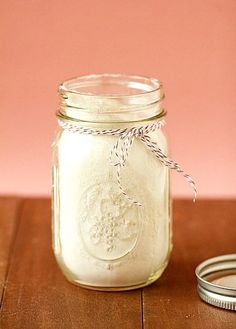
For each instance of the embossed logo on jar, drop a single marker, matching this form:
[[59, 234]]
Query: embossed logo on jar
[[110, 225]]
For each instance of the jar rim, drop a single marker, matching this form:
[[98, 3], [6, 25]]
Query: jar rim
[[153, 85], [111, 96]]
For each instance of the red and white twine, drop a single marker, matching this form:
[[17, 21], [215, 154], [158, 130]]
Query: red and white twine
[[119, 152]]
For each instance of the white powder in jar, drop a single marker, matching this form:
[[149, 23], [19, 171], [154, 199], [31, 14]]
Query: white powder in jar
[[101, 239]]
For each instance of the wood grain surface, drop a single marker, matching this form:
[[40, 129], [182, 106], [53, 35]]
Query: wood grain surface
[[202, 230], [36, 295]]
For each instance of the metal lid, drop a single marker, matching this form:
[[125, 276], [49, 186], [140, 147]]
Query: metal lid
[[217, 281]]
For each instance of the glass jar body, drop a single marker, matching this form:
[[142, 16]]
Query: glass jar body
[[100, 239]]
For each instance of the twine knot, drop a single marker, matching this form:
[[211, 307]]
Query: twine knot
[[120, 150]]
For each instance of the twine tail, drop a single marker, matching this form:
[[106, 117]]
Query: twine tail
[[118, 157], [168, 162], [130, 199]]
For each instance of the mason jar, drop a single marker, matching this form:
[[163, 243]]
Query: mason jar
[[111, 196]]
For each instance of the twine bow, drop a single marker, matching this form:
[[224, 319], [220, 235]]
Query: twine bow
[[120, 150]]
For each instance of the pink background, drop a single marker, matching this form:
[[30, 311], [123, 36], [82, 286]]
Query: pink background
[[189, 45]]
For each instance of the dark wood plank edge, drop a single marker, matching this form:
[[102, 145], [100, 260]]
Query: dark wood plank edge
[[16, 224], [142, 306]]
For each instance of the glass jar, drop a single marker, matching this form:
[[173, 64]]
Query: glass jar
[[111, 202]]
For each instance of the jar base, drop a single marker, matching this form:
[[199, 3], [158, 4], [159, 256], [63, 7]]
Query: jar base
[[150, 280]]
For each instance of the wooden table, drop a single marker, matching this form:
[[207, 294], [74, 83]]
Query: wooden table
[[34, 293]]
